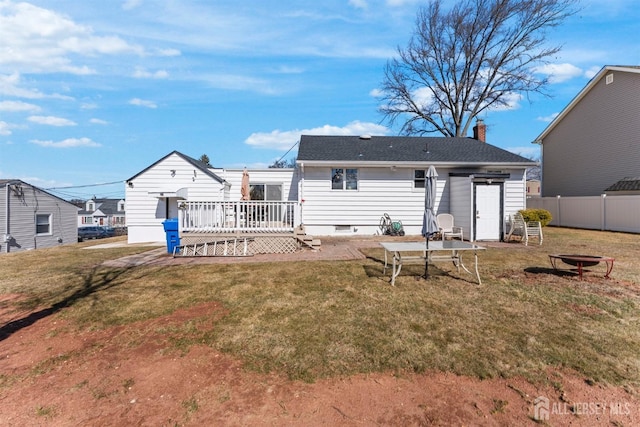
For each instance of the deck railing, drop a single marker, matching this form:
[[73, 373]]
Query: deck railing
[[238, 217]]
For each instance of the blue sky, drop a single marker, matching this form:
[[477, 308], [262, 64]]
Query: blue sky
[[92, 92]]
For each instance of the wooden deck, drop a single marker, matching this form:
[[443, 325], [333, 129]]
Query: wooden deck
[[257, 242]]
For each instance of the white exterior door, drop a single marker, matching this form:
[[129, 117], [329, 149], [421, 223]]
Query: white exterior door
[[488, 212]]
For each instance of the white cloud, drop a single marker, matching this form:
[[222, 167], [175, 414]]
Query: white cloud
[[88, 106], [559, 73], [168, 52], [131, 4], [10, 85], [238, 82], [15, 106], [38, 40], [592, 71], [512, 100], [283, 140], [547, 119], [423, 96], [51, 121], [141, 73], [67, 143], [399, 3], [98, 121], [5, 128], [287, 69], [376, 93], [359, 4], [143, 103]]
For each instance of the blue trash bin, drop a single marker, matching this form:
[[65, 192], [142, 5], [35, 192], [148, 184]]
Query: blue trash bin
[[171, 230]]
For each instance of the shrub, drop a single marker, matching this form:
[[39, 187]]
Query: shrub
[[542, 215]]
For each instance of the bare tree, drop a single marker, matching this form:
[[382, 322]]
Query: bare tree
[[461, 62], [279, 164]]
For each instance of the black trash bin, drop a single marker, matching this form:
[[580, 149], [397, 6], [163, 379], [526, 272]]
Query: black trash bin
[[171, 231]]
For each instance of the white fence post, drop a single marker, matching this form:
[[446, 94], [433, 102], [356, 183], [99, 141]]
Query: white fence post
[[603, 212], [606, 213]]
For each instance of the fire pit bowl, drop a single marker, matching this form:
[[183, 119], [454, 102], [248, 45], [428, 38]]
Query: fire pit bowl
[[582, 261], [585, 260]]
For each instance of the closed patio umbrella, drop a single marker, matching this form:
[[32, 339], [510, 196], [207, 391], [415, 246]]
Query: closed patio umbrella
[[429, 224], [245, 191]]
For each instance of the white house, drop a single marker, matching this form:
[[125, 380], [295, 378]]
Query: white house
[[31, 218], [342, 185], [102, 212], [349, 182], [179, 181]]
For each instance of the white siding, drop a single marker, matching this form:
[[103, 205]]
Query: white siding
[[145, 212], [383, 190], [462, 204], [380, 190], [280, 176], [514, 198]]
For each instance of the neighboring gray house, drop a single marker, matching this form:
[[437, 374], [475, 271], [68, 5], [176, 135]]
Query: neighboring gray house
[[594, 143], [31, 218], [102, 212], [349, 182]]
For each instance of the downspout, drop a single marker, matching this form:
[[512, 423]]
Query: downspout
[[6, 239], [301, 192]]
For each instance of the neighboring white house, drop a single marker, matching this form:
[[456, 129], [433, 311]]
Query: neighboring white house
[[31, 218], [594, 142], [342, 185], [102, 212]]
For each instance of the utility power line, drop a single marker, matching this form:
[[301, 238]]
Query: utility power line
[[84, 186]]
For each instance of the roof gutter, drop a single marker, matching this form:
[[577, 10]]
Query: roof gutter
[[413, 164]]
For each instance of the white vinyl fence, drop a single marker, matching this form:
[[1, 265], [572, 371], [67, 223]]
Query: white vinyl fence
[[611, 213]]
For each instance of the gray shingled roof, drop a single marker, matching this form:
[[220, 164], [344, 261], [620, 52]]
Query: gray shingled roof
[[106, 206], [403, 149], [626, 184]]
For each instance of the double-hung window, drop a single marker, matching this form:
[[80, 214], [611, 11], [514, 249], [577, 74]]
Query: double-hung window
[[344, 179], [43, 224], [419, 178]]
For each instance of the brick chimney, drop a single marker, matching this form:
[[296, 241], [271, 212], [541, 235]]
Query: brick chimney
[[480, 131]]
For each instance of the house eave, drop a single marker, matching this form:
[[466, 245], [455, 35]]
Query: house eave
[[181, 194], [540, 139], [414, 164]]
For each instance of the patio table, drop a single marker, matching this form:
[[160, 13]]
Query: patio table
[[447, 250]]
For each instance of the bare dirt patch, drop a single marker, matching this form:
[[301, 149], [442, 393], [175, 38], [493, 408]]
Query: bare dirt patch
[[52, 374]]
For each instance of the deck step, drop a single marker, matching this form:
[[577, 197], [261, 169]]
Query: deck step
[[310, 242]]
